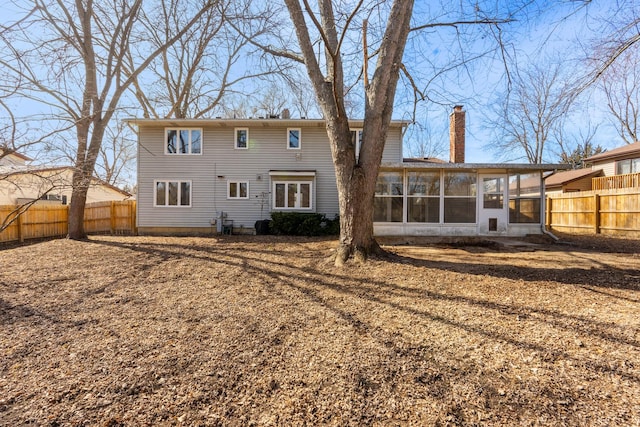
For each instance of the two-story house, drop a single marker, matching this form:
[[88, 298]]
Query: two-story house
[[620, 167], [194, 176], [616, 169]]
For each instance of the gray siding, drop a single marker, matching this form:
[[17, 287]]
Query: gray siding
[[220, 162], [393, 147]]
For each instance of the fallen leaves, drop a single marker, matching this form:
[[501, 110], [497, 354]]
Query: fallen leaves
[[264, 331]]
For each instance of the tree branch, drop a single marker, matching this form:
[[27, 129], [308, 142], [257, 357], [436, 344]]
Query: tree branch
[[455, 24]]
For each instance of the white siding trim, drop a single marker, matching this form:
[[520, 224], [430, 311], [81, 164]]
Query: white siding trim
[[292, 173]]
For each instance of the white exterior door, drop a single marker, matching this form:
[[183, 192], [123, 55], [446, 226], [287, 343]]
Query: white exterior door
[[494, 204]]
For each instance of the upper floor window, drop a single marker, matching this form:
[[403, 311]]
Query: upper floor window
[[242, 138], [183, 141], [172, 193], [293, 139], [624, 167]]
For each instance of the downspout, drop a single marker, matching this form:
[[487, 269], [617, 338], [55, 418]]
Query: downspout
[[543, 207]]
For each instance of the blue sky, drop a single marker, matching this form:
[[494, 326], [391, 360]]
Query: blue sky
[[555, 30]]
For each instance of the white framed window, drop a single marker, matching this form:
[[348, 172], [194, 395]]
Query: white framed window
[[294, 139], [388, 202], [237, 189], [241, 137], [460, 189], [183, 141], [356, 138], [172, 193], [423, 196], [292, 194], [524, 198], [627, 166]]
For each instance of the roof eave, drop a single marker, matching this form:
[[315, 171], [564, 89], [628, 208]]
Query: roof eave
[[221, 122], [476, 166]]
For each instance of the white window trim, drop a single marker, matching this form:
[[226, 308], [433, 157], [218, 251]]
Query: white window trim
[[178, 129], [276, 173], [286, 183], [357, 131], [167, 181], [299, 147], [235, 138], [237, 182]]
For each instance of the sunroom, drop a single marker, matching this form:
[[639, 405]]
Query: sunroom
[[459, 199]]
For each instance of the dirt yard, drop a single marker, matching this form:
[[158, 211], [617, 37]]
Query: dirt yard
[[265, 331]]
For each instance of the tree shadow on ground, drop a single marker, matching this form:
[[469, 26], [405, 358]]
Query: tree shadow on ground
[[313, 281]]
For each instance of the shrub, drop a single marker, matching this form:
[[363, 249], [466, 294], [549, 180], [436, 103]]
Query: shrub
[[303, 224]]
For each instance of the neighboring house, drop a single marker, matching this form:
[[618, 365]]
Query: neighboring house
[[12, 159], [571, 181], [21, 183], [621, 167], [195, 175]]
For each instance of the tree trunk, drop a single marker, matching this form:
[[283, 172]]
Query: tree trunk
[[82, 175], [355, 179], [356, 199], [356, 182], [76, 207]]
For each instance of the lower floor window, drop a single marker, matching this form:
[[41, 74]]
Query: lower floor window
[[292, 195], [173, 193], [388, 203], [524, 210], [387, 209], [423, 209], [430, 197], [238, 190], [524, 198], [460, 210]]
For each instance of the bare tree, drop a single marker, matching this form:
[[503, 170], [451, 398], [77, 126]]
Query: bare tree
[[15, 140], [205, 65], [617, 34], [355, 179], [427, 138], [72, 57], [621, 86], [117, 155], [529, 117], [347, 46]]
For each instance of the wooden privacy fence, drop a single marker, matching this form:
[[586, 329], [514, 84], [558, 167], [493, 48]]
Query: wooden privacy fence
[[617, 212], [39, 221]]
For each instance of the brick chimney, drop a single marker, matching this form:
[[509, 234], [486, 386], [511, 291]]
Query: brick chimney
[[456, 135]]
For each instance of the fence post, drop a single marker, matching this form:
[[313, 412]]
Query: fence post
[[596, 213], [548, 219], [113, 217], [133, 210], [19, 224]]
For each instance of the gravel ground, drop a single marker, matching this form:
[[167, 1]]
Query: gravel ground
[[261, 330]]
